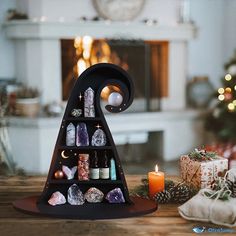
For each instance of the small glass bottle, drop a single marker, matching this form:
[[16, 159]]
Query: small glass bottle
[[104, 170], [94, 170], [83, 167]]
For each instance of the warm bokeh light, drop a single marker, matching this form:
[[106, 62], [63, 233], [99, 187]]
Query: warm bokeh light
[[77, 42], [90, 51], [221, 97], [106, 91], [228, 90], [234, 102], [228, 77], [231, 106], [87, 45], [81, 66], [87, 40], [234, 87], [221, 90]]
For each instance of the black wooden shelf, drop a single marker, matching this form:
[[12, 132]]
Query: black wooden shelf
[[85, 148], [85, 182], [96, 77], [81, 119]]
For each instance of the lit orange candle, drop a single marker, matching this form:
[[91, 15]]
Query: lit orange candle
[[156, 182]]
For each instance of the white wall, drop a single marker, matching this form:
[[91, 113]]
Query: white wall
[[205, 52], [229, 30], [7, 64], [166, 11]]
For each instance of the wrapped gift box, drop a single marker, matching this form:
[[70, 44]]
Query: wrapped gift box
[[202, 172]]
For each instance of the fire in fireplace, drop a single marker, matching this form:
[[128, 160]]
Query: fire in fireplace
[[145, 61]]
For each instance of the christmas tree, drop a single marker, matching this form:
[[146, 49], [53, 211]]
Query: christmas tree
[[222, 120]]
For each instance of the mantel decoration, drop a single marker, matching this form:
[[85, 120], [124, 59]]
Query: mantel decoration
[[86, 180], [118, 10], [27, 102]]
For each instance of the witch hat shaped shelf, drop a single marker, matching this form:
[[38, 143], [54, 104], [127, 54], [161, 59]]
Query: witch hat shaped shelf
[[86, 180]]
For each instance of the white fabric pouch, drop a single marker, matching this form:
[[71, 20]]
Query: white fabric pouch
[[202, 208]]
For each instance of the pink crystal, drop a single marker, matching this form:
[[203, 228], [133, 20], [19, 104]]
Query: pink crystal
[[57, 198]]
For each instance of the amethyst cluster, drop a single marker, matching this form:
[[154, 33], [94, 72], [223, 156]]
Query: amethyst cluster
[[115, 196]]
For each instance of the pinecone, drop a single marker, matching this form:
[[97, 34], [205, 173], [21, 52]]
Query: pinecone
[[162, 197], [169, 184], [180, 193], [232, 186]]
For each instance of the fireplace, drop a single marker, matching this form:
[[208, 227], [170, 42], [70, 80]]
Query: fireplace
[[146, 62], [157, 61]]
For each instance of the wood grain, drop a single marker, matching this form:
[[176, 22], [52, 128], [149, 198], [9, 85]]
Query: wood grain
[[165, 221]]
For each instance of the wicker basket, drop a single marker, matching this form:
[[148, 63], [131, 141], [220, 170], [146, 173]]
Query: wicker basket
[[28, 107]]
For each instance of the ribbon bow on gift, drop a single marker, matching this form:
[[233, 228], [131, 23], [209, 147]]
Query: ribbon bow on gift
[[221, 188], [202, 155]]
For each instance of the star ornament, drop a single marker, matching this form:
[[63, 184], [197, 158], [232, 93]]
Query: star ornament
[[80, 97], [98, 126]]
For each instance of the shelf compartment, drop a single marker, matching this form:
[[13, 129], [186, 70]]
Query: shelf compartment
[[85, 182], [85, 147], [83, 119]]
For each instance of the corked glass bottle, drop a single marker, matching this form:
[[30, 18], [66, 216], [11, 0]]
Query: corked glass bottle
[[94, 169], [104, 172]]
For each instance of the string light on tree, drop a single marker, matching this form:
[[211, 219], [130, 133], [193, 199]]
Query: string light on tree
[[221, 97], [221, 90], [228, 94], [228, 77], [228, 90], [231, 106], [222, 123]]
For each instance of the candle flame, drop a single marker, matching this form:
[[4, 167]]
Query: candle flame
[[156, 168]]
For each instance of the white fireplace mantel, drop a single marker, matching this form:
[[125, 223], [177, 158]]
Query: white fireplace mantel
[[38, 51], [27, 29]]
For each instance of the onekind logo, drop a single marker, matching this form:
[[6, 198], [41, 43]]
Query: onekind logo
[[202, 229], [199, 229]]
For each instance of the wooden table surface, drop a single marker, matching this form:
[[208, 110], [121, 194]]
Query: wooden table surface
[[165, 221]]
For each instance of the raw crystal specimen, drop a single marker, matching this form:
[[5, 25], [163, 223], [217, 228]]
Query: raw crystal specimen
[[76, 112], [94, 195], [82, 138], [99, 138], [75, 196], [83, 167], [57, 198], [89, 110], [70, 135], [115, 196], [113, 169], [69, 173]]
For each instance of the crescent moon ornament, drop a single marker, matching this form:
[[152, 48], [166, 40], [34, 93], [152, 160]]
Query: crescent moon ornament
[[63, 155]]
